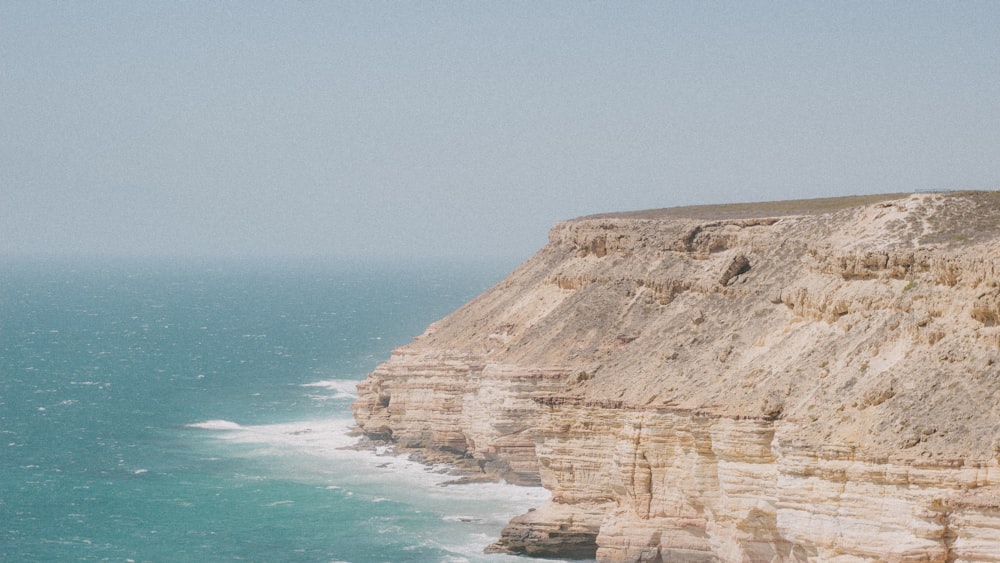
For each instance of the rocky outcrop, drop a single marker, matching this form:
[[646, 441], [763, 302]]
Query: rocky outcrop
[[798, 381]]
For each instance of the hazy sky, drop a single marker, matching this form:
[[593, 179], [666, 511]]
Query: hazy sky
[[332, 129]]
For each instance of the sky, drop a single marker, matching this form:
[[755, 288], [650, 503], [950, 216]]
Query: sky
[[330, 130]]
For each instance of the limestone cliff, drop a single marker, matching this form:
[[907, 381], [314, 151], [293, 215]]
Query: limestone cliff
[[799, 381]]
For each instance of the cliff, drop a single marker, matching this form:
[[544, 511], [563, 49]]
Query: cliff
[[797, 381]]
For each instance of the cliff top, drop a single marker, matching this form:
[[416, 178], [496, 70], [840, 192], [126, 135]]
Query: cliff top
[[753, 210], [953, 218]]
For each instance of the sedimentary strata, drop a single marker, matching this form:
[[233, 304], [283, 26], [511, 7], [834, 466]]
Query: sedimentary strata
[[798, 381]]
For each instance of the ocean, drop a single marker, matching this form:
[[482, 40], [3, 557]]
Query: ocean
[[197, 411]]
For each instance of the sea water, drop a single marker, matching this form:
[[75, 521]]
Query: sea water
[[199, 412]]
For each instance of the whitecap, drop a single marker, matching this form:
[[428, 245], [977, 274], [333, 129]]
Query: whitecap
[[216, 425], [324, 438], [342, 388]]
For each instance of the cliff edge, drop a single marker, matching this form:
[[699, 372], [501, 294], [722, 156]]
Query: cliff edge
[[796, 381]]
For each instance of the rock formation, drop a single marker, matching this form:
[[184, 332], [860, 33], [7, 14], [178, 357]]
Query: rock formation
[[798, 381]]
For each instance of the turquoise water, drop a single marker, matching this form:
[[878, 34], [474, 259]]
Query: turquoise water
[[197, 412]]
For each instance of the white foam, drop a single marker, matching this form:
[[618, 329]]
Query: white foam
[[314, 437], [216, 425], [322, 452], [342, 388], [330, 439]]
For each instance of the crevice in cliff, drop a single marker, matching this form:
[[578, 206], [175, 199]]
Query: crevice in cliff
[[740, 265]]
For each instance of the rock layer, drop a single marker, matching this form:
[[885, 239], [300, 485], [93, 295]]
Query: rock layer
[[798, 381]]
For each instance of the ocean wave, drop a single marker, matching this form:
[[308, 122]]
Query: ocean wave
[[342, 388], [324, 438], [216, 425], [331, 439], [324, 453]]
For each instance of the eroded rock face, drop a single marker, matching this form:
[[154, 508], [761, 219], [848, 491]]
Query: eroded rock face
[[801, 381]]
